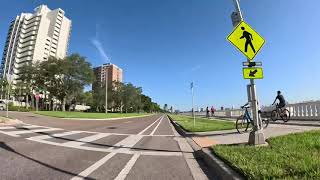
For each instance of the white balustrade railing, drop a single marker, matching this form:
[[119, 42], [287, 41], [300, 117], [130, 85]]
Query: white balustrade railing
[[298, 111]]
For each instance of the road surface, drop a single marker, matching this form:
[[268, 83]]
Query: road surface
[[138, 148]]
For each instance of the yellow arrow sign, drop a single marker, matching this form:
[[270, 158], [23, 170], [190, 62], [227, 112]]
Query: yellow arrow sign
[[247, 40], [252, 73]]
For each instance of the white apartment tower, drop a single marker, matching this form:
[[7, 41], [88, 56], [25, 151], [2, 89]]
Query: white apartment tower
[[35, 37]]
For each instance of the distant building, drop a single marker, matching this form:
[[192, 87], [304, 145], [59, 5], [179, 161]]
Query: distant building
[[35, 37], [111, 71]]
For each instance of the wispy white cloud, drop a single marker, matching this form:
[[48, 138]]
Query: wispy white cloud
[[98, 45]]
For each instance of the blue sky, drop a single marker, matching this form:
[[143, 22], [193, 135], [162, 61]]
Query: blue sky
[[164, 45]]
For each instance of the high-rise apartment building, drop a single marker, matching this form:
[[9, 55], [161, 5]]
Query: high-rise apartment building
[[111, 71], [35, 37]]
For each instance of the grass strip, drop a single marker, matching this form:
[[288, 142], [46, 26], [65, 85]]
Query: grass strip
[[293, 156], [202, 124]]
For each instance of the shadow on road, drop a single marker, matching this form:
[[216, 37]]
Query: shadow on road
[[8, 148]]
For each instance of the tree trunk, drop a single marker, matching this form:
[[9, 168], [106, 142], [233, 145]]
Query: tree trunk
[[32, 101], [63, 104], [27, 101]]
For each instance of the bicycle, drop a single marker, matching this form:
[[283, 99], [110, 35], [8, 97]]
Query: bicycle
[[244, 121], [283, 113]]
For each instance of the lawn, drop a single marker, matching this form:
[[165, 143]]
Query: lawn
[[202, 124], [294, 156], [88, 115]]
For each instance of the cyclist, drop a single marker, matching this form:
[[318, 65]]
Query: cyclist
[[282, 101]]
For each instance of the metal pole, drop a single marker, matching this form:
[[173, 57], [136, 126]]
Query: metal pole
[[8, 99], [193, 112], [255, 138], [106, 76], [237, 7]]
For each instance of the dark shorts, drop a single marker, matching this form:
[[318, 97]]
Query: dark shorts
[[280, 105]]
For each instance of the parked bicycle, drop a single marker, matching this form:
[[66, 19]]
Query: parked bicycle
[[244, 122], [283, 113]]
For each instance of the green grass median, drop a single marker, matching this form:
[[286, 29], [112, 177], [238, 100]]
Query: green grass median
[[87, 115], [202, 124], [294, 156]]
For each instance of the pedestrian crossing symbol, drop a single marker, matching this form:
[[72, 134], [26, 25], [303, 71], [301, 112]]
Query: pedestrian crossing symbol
[[247, 40], [252, 73]]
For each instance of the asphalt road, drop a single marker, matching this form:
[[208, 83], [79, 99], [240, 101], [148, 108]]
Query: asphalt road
[[136, 148]]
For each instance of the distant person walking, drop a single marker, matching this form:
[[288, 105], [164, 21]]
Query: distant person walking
[[212, 111], [249, 40], [207, 110]]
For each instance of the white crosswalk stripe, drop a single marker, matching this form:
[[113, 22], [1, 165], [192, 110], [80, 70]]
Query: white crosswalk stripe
[[33, 126], [84, 140], [42, 137], [34, 131], [125, 171], [7, 127]]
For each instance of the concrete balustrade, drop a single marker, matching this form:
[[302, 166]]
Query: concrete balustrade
[[298, 111]]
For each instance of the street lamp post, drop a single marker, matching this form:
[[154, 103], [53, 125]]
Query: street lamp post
[[193, 112], [256, 136], [9, 79], [106, 76]]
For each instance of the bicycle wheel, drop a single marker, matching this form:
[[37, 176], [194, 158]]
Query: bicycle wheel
[[285, 115], [242, 124], [274, 115]]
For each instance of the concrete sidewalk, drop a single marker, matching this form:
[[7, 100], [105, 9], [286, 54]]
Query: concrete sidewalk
[[232, 137]]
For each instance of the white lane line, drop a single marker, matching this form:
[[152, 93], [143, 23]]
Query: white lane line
[[140, 133], [194, 167], [8, 133], [34, 131], [93, 167], [125, 171], [42, 137], [154, 130], [84, 140], [183, 144], [7, 127]]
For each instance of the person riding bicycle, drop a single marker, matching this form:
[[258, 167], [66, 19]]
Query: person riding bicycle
[[282, 101]]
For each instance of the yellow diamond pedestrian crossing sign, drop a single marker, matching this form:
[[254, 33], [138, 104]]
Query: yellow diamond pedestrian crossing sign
[[247, 40]]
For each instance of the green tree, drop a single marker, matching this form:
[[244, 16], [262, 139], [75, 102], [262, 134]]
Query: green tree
[[3, 86], [27, 78], [65, 78]]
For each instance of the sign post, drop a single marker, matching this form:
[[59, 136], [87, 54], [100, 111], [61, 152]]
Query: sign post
[[249, 42]]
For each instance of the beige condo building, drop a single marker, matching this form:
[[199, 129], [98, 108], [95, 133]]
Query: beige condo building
[[35, 37]]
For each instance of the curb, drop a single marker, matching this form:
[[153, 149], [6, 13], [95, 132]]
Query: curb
[[295, 124], [220, 168]]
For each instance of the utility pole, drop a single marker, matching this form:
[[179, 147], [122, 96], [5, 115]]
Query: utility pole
[[256, 136], [106, 76]]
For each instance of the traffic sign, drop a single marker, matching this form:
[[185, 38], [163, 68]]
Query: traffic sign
[[252, 73], [247, 40], [252, 63]]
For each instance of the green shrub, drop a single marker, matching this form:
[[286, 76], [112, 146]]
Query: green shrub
[[17, 108]]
